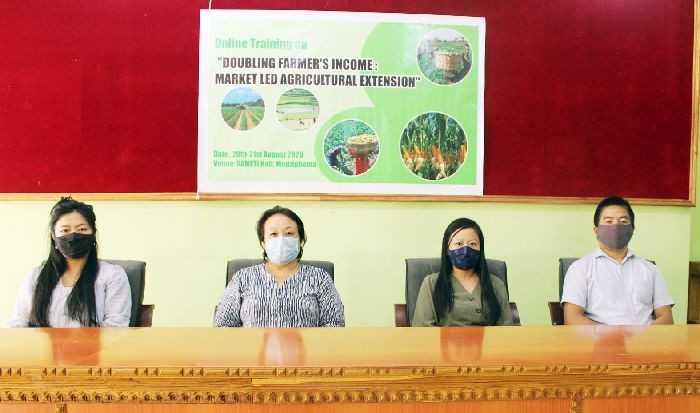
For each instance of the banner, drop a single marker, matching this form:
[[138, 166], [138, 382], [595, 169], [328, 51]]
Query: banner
[[301, 102]]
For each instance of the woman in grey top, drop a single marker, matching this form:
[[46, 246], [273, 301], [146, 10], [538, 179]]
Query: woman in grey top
[[73, 288], [463, 292], [280, 292]]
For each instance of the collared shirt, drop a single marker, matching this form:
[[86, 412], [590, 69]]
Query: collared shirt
[[467, 308], [254, 299], [615, 293], [112, 300]]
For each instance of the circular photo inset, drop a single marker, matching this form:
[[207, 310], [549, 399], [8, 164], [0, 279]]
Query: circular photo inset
[[433, 146], [444, 56], [242, 108], [297, 109], [351, 147]]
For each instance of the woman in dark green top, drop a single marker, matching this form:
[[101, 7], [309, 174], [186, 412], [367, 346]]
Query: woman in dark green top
[[463, 292]]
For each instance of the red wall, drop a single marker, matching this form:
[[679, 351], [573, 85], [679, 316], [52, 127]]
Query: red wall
[[582, 98]]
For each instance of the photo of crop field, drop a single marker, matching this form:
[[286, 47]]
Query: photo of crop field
[[351, 147], [242, 108], [444, 56], [433, 146], [298, 109]]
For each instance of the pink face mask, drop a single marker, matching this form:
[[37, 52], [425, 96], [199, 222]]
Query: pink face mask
[[615, 236]]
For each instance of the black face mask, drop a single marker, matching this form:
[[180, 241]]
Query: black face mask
[[75, 245]]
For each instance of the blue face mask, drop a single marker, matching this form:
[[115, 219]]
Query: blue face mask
[[282, 250], [464, 258]]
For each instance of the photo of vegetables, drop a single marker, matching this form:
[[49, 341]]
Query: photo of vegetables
[[242, 108], [433, 146], [351, 147], [297, 109], [444, 56]]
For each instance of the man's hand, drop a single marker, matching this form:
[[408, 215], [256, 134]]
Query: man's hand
[[573, 315], [663, 315]]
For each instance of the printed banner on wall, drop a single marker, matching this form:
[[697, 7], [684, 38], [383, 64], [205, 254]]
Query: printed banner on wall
[[305, 102]]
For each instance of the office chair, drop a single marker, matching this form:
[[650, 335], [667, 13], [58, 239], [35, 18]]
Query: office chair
[[232, 266], [141, 314], [556, 309], [419, 268]]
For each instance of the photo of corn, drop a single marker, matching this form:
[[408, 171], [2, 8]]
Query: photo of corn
[[444, 56], [433, 146]]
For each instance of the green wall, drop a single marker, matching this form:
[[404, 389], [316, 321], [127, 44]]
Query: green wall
[[187, 244], [695, 221]]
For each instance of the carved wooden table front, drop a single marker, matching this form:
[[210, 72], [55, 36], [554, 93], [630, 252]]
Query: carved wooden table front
[[494, 369]]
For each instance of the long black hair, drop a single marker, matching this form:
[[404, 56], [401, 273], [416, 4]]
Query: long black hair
[[81, 301], [443, 296]]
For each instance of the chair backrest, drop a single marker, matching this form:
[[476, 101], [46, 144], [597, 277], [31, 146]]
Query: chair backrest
[[136, 272], [419, 268], [564, 264], [556, 313], [237, 264]]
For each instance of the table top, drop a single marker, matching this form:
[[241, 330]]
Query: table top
[[348, 347]]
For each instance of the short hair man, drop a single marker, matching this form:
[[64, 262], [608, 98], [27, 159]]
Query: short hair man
[[613, 285]]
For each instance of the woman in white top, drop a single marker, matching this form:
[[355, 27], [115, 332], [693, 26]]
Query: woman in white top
[[72, 288]]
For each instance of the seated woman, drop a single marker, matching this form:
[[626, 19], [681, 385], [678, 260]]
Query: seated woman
[[73, 288], [280, 292], [463, 293]]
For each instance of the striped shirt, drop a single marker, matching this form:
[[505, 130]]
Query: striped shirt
[[112, 300], [615, 293], [254, 299]]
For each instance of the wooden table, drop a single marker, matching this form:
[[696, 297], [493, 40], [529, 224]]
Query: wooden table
[[494, 369]]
